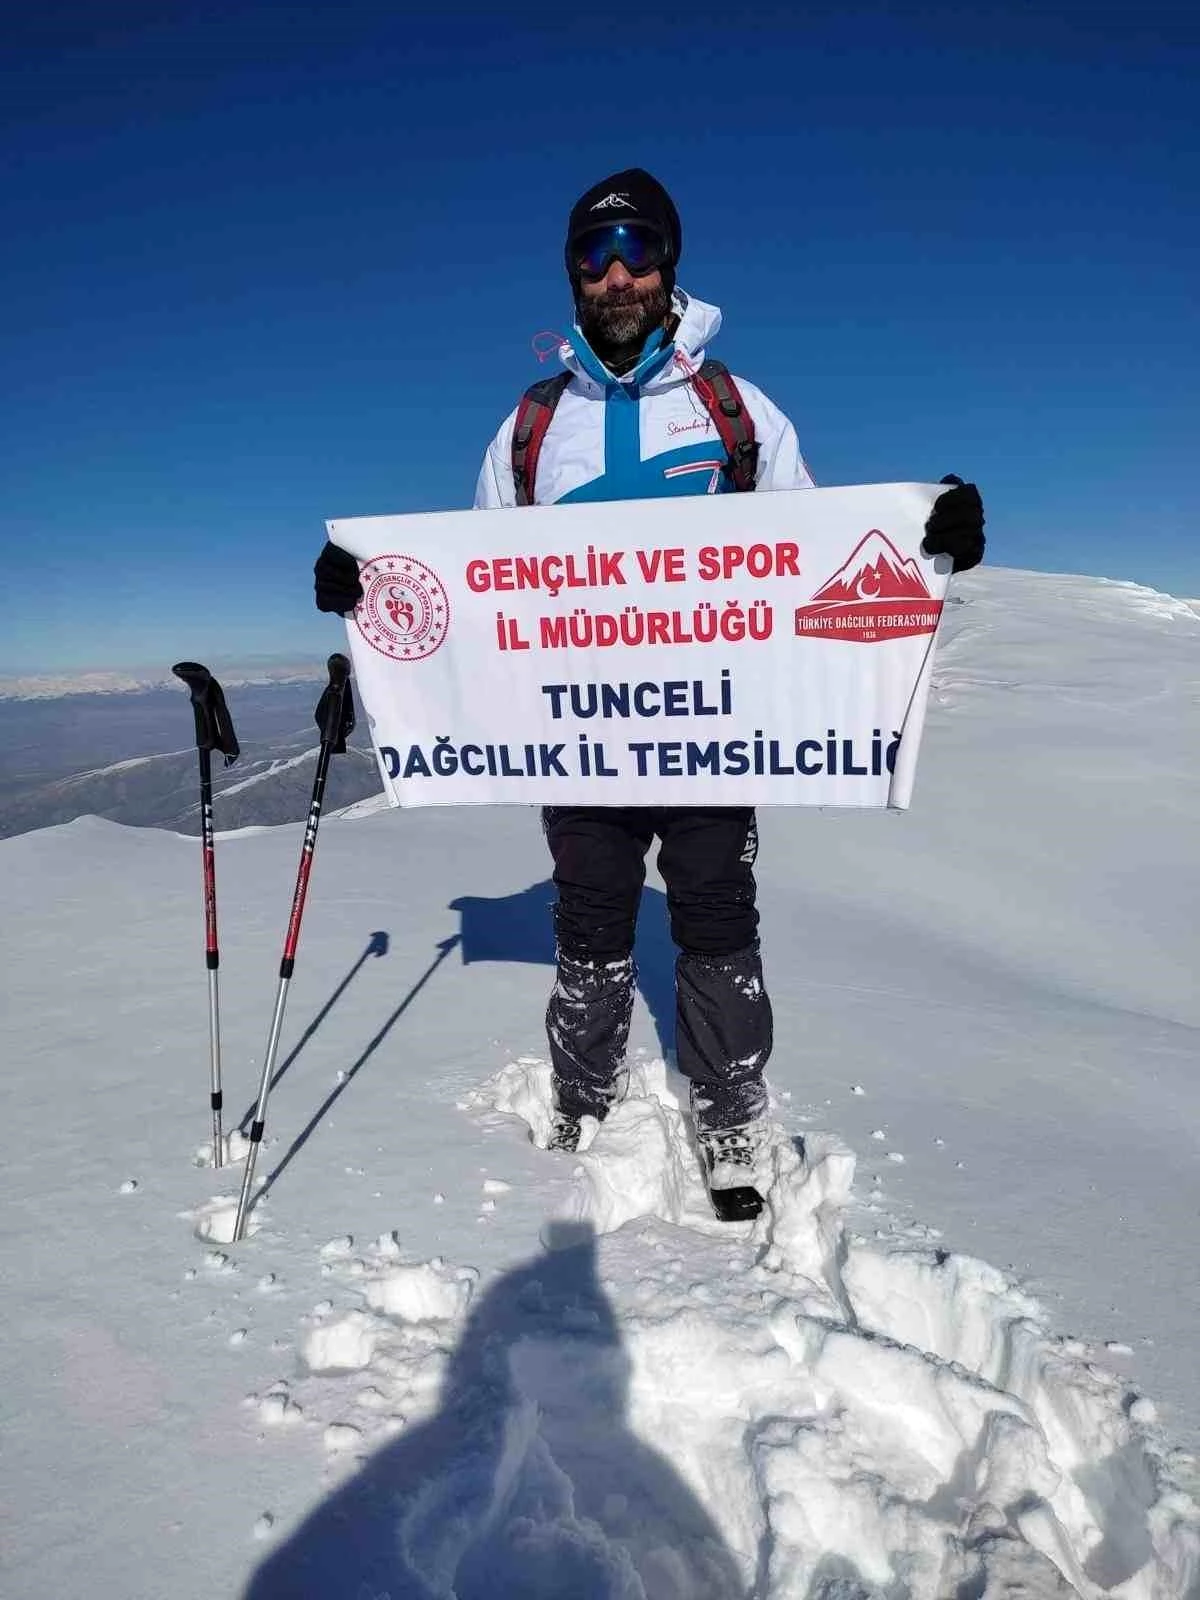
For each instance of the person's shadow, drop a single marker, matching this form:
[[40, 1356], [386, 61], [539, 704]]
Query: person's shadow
[[527, 1484], [520, 927]]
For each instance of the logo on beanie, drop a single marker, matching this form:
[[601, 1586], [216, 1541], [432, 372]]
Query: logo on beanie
[[612, 201], [404, 612], [876, 594]]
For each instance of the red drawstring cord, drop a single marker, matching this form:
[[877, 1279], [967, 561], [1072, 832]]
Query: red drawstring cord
[[543, 350], [703, 386]]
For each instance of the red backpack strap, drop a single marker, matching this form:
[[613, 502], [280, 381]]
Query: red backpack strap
[[534, 415], [724, 404]]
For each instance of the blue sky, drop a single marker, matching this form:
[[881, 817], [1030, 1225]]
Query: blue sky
[[266, 264]]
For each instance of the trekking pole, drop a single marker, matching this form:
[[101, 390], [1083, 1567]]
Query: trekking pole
[[214, 731], [335, 719]]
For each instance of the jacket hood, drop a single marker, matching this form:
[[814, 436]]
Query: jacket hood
[[699, 323]]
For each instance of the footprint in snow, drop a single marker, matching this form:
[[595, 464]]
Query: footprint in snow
[[277, 1409]]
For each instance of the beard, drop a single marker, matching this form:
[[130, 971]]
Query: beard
[[617, 323]]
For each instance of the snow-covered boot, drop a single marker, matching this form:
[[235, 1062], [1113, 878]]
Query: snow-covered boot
[[564, 1133], [587, 1023], [730, 1157], [723, 1035]]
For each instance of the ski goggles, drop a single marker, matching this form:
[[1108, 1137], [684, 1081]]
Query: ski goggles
[[639, 246]]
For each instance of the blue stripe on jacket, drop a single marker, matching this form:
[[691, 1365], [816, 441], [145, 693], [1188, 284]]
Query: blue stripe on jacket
[[626, 476]]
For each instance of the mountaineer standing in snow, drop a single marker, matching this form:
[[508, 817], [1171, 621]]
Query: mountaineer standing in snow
[[639, 412]]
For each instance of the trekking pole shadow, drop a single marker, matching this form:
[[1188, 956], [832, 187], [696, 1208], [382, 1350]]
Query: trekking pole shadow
[[444, 948], [377, 945]]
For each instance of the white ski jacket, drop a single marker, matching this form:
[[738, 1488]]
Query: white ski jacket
[[644, 435]]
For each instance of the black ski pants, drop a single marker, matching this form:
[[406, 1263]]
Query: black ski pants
[[723, 1015]]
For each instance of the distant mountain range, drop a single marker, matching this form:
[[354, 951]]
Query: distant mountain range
[[133, 680], [120, 744], [127, 752]]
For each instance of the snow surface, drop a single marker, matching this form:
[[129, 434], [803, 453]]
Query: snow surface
[[446, 1363]]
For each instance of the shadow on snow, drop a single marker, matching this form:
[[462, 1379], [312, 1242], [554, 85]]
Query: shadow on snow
[[515, 927], [526, 1482], [520, 927], [377, 945]]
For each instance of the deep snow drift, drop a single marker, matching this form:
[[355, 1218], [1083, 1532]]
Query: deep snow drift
[[446, 1363]]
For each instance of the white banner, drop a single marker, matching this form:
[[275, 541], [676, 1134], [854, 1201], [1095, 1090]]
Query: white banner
[[759, 649]]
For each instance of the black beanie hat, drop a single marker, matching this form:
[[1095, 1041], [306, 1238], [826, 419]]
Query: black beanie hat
[[631, 196]]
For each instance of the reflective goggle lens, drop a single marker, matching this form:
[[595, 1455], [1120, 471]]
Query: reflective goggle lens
[[640, 247]]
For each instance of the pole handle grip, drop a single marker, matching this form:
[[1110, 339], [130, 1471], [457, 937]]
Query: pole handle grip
[[335, 709], [214, 726]]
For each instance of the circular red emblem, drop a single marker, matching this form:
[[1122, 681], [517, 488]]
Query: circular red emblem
[[404, 611]]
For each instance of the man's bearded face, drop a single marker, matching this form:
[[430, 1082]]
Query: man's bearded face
[[621, 316]]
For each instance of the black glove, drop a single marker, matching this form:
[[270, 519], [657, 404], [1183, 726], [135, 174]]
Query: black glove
[[955, 526], [337, 586]]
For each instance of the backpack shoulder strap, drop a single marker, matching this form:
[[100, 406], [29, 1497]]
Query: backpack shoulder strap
[[724, 404], [534, 415]]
